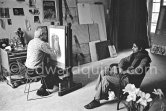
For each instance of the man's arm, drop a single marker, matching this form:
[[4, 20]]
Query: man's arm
[[140, 68], [124, 62], [47, 49]]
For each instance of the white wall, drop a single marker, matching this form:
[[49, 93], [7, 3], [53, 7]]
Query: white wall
[[19, 21]]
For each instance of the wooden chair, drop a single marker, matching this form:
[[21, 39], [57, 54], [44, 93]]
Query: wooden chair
[[133, 79]]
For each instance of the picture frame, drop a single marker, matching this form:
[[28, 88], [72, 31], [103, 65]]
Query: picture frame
[[4, 13], [18, 11], [50, 10], [60, 32], [32, 3]]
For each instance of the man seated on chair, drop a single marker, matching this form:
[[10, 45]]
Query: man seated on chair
[[36, 51], [132, 64]]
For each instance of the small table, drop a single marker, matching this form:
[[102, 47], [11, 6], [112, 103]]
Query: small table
[[10, 68]]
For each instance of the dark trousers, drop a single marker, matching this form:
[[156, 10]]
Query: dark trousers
[[50, 79]]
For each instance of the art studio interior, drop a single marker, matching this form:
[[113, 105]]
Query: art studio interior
[[52, 54]]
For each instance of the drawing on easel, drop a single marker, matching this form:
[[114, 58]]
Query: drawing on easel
[[57, 41]]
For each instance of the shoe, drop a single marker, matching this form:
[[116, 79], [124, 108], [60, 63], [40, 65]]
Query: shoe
[[42, 92], [105, 97], [92, 104]]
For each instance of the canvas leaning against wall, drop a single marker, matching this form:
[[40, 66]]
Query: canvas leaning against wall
[[57, 40]]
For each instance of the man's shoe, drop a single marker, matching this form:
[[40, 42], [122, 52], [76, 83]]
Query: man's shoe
[[42, 92], [92, 104]]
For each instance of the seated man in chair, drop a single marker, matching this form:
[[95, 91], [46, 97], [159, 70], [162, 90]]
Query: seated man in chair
[[134, 64], [36, 52]]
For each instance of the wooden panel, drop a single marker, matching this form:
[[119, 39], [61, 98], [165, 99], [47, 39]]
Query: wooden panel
[[97, 12], [93, 52], [70, 3], [94, 32], [102, 49], [81, 31], [84, 12], [83, 58], [74, 22], [73, 11]]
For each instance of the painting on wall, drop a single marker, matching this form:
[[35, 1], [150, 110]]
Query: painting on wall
[[4, 13], [36, 19], [50, 10], [9, 21], [57, 41], [32, 3], [18, 11]]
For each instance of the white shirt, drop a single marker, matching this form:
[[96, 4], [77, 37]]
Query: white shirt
[[36, 51]]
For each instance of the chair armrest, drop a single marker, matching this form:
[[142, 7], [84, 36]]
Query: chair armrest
[[114, 64]]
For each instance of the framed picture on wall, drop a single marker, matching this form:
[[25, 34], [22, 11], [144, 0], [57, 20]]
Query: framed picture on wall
[[57, 39], [50, 10], [4, 13], [18, 11]]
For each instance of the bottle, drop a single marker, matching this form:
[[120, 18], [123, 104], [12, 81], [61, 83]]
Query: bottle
[[60, 87]]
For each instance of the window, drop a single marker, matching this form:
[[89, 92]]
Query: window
[[155, 13]]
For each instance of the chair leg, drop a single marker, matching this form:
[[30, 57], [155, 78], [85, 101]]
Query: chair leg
[[27, 90], [118, 104]]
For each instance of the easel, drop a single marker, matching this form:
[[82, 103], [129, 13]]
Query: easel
[[71, 86], [65, 74]]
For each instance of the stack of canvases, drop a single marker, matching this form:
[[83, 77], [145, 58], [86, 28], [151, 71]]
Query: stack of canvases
[[86, 45], [82, 35]]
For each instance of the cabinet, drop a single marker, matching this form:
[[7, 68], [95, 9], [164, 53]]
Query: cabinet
[[11, 70]]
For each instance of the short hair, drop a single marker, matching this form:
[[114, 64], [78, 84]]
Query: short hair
[[140, 43]]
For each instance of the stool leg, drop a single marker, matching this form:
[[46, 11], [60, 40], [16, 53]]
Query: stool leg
[[26, 86], [28, 90]]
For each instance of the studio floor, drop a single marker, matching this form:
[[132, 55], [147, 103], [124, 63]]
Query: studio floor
[[15, 99]]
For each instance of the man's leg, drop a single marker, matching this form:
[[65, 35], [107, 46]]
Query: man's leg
[[102, 91], [101, 75]]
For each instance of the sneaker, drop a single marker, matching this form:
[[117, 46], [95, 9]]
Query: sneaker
[[92, 104]]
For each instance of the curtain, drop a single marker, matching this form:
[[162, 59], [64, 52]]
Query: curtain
[[141, 21], [127, 22], [113, 20]]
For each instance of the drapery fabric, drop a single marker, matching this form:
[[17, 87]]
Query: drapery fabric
[[113, 27], [127, 22]]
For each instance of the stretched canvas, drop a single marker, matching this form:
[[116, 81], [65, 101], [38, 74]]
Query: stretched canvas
[[59, 42]]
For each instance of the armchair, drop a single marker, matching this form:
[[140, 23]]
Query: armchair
[[133, 79]]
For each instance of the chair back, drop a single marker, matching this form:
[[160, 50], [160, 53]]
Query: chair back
[[137, 79]]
